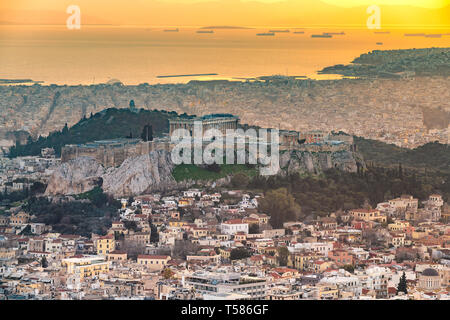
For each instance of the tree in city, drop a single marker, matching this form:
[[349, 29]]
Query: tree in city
[[183, 248], [283, 254], [402, 285], [253, 228], [281, 206], [44, 263], [350, 268], [133, 248], [167, 273], [239, 253]]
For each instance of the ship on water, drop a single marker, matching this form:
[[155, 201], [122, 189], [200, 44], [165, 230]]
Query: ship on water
[[279, 31], [171, 30], [266, 34], [414, 34], [299, 32], [205, 31], [324, 35]]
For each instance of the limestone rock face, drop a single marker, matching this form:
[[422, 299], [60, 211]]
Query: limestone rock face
[[75, 176], [153, 172], [301, 161], [146, 173]]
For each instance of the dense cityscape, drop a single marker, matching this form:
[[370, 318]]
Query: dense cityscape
[[216, 158], [64, 237]]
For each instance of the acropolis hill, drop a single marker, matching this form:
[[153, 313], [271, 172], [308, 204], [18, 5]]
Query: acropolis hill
[[113, 152]]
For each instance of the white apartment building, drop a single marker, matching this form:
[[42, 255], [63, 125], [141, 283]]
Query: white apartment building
[[318, 247], [233, 226]]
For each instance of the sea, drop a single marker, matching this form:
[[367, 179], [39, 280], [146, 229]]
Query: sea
[[53, 54]]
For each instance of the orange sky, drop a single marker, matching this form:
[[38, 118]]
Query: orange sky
[[228, 12]]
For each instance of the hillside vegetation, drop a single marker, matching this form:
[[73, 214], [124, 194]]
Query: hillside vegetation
[[107, 124], [431, 156], [184, 172]]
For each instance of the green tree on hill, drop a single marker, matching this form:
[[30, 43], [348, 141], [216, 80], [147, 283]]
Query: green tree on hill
[[281, 206], [108, 124], [147, 133], [240, 180]]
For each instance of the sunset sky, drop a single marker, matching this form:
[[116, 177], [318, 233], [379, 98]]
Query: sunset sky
[[227, 12]]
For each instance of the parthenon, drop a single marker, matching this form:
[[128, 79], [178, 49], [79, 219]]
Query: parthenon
[[220, 121]]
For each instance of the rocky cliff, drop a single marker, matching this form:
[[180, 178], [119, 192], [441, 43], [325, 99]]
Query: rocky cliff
[[316, 162], [153, 172], [76, 176], [136, 175]]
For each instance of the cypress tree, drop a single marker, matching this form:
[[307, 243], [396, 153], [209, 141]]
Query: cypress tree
[[402, 285], [44, 263]]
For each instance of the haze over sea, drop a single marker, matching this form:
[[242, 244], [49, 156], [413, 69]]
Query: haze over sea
[[137, 54]]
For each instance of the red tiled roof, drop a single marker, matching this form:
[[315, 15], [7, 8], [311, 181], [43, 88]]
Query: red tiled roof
[[364, 210], [153, 256], [234, 221]]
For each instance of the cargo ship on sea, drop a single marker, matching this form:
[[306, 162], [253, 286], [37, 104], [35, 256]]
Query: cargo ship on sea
[[324, 35], [414, 34], [205, 31], [279, 31], [265, 34]]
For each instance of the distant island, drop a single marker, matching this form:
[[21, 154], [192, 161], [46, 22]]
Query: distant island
[[18, 81], [396, 63]]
